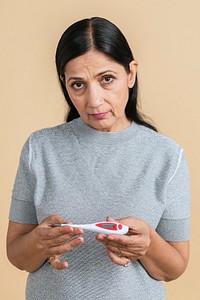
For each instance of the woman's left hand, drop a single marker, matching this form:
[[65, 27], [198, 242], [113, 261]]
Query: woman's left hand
[[123, 249]]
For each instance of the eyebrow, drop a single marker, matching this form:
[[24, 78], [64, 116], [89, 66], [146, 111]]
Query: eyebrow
[[99, 74]]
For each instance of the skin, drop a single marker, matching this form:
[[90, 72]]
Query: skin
[[98, 87], [163, 260], [29, 246]]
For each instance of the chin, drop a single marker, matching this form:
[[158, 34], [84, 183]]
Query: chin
[[104, 124], [101, 125]]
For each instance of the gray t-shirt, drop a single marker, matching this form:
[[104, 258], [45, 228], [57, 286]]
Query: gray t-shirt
[[85, 175]]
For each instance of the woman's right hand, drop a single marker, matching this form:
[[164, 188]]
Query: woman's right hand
[[29, 245], [55, 241]]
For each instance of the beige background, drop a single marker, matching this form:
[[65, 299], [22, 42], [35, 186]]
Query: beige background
[[165, 38]]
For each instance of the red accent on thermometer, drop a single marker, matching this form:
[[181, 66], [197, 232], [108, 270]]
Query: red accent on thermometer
[[101, 227]]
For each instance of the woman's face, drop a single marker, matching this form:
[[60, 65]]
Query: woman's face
[[99, 89]]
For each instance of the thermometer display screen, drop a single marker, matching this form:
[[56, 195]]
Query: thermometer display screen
[[108, 226]]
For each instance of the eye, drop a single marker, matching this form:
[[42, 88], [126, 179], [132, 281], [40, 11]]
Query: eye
[[107, 79], [77, 85]]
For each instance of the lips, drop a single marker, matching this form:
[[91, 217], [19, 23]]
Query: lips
[[99, 115]]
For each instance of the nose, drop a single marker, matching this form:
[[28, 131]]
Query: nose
[[94, 96]]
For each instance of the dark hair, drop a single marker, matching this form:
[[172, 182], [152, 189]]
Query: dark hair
[[103, 36]]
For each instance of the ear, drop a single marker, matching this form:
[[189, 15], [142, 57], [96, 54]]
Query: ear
[[133, 66], [62, 78]]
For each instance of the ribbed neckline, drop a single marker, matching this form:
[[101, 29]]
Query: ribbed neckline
[[90, 135]]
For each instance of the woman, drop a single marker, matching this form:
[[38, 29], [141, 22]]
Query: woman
[[105, 161]]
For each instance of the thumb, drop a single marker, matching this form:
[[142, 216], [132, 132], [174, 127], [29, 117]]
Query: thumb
[[53, 219], [126, 221], [110, 219]]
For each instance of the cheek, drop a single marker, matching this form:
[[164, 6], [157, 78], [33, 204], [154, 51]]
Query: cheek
[[80, 106], [120, 97], [76, 100]]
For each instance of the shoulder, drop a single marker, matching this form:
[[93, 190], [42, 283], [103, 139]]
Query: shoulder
[[50, 139], [52, 134], [161, 151], [158, 142]]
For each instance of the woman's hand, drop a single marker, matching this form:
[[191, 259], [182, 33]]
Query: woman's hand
[[54, 241], [29, 246], [163, 260], [123, 249]]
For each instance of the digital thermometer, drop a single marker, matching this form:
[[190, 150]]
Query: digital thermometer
[[101, 227]]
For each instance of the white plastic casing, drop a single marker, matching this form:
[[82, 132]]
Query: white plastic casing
[[100, 227]]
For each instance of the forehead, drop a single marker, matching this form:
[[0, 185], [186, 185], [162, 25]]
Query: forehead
[[94, 61]]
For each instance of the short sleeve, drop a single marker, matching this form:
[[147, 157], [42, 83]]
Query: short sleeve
[[22, 209], [174, 225]]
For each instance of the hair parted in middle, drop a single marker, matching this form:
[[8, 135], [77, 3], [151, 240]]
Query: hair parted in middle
[[102, 35]]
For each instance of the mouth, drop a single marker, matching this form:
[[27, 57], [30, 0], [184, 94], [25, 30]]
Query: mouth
[[99, 116]]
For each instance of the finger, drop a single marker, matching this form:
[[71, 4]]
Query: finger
[[53, 219], [110, 219], [58, 231], [102, 238], [121, 261], [124, 240], [121, 252], [118, 240], [64, 238], [63, 230], [133, 249], [126, 221], [67, 246], [57, 219], [109, 240], [57, 264], [121, 220]]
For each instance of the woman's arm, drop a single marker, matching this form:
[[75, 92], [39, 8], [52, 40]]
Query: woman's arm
[[165, 260], [28, 246], [162, 260]]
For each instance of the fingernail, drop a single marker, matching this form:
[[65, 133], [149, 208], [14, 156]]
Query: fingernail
[[101, 236]]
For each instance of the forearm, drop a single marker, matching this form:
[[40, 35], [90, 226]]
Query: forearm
[[24, 253], [162, 260]]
